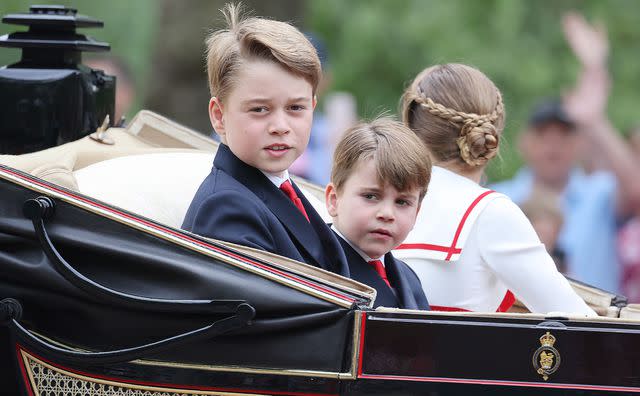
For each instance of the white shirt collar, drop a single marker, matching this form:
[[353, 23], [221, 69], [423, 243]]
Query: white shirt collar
[[360, 252], [277, 180]]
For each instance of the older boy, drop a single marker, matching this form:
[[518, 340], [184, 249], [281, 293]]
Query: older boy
[[262, 76], [379, 177]]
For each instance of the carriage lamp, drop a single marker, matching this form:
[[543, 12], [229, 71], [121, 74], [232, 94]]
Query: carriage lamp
[[48, 97]]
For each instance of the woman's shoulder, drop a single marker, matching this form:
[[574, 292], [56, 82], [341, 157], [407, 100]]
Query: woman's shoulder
[[502, 205], [452, 188], [501, 218]]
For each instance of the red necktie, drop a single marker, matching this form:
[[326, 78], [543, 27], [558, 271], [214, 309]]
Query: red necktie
[[379, 267], [287, 188]]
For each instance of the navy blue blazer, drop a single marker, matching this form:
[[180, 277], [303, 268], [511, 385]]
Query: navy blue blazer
[[408, 289], [239, 204]]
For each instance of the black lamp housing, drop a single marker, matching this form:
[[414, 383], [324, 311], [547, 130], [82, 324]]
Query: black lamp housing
[[49, 98]]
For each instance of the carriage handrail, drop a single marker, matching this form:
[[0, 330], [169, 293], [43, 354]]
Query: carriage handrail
[[11, 309], [42, 208]]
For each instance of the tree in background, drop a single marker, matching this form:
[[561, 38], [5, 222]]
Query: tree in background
[[376, 46], [178, 86]]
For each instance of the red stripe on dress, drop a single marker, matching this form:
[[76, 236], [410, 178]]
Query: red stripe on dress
[[427, 246], [508, 300], [450, 250], [464, 219]]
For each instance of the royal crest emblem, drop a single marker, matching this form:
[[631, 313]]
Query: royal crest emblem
[[546, 359]]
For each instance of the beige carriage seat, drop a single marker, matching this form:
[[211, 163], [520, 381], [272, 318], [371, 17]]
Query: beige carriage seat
[[148, 132], [631, 311], [159, 186], [56, 164]]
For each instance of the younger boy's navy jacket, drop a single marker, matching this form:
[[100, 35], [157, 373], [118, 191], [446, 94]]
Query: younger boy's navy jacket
[[237, 203], [407, 290]]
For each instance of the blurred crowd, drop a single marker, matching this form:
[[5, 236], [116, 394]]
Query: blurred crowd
[[578, 186]]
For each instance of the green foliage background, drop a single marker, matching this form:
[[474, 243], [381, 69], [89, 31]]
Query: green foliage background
[[377, 47]]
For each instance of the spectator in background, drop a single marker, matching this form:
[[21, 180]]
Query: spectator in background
[[629, 239], [557, 135], [545, 214], [338, 113], [125, 89], [634, 140], [629, 251]]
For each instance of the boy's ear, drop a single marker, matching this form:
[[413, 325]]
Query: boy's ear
[[331, 200], [314, 102], [216, 116]]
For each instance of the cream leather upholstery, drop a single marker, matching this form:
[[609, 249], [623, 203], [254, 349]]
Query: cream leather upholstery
[[159, 186]]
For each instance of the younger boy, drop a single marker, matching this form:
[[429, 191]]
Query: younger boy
[[262, 76], [380, 175]]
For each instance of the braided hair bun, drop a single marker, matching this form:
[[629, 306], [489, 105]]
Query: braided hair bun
[[458, 113]]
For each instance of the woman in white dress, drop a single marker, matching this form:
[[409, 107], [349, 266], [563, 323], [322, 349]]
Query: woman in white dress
[[473, 248]]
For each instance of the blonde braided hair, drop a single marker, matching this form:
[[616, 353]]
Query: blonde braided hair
[[478, 140], [471, 137]]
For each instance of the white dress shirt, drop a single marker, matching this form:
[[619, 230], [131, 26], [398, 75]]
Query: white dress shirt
[[277, 180]]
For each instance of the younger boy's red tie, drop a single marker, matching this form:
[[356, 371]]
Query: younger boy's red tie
[[379, 267], [287, 188]]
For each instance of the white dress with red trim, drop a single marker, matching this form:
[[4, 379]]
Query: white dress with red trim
[[472, 247]]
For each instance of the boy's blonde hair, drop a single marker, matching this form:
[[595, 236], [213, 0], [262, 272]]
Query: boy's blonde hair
[[400, 157], [457, 112], [254, 38]]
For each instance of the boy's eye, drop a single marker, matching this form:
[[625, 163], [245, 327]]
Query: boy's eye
[[369, 196], [258, 109], [404, 202], [297, 107]]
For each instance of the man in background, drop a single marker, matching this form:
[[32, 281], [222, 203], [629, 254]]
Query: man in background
[[564, 132]]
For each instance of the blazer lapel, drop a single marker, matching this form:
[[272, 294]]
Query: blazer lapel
[[400, 283], [331, 249], [279, 204]]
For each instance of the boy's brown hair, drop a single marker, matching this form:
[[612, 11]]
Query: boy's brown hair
[[400, 157], [255, 38]]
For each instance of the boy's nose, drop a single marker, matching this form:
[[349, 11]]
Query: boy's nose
[[385, 212], [279, 124]]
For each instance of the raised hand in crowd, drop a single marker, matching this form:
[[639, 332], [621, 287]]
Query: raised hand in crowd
[[587, 103]]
